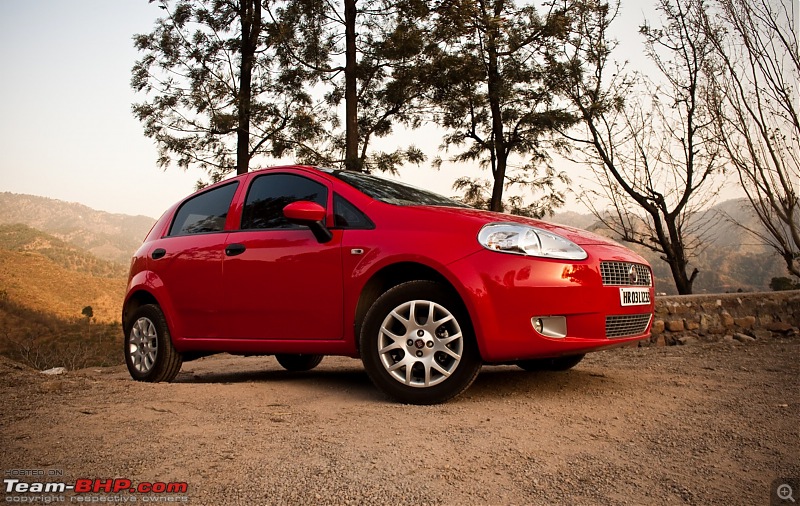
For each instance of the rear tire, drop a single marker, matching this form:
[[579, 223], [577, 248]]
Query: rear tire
[[417, 344], [149, 353], [551, 364], [298, 362]]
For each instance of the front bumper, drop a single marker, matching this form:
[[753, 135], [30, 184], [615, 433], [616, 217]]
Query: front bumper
[[503, 292]]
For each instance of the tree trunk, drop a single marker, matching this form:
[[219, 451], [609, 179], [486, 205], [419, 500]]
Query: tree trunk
[[675, 256], [498, 184], [351, 158], [495, 87], [250, 18], [683, 283]]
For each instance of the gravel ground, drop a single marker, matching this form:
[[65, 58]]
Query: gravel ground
[[702, 424]]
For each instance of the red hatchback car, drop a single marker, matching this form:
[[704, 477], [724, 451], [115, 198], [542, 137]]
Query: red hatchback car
[[300, 262]]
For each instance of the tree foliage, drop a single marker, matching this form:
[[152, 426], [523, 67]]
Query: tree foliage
[[490, 92], [783, 283], [215, 96], [366, 56]]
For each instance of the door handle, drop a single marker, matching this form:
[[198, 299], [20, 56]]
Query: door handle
[[158, 253], [234, 249]]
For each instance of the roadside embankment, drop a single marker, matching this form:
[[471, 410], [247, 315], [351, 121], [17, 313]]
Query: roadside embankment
[[736, 317]]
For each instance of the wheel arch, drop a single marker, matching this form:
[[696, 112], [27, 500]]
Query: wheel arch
[[395, 274], [134, 301]]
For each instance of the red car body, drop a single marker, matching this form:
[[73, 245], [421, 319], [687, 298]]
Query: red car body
[[289, 292]]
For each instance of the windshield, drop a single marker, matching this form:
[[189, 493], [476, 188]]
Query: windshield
[[393, 192]]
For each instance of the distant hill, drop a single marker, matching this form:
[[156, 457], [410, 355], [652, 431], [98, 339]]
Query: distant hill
[[733, 258], [113, 237], [24, 239], [573, 219]]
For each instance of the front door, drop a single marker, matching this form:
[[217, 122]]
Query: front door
[[280, 282]]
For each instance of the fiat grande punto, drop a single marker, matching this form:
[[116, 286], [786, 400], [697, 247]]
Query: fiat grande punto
[[301, 262]]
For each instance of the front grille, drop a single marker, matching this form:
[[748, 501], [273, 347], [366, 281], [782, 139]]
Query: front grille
[[619, 274], [627, 325]]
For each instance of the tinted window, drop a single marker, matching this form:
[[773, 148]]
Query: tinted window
[[269, 194], [205, 212], [346, 215], [393, 192]]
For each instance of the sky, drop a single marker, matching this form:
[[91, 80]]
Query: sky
[[66, 127]]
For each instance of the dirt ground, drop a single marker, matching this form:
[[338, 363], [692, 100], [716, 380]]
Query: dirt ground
[[701, 424]]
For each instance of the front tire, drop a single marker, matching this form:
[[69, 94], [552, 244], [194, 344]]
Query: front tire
[[551, 364], [149, 353], [298, 362], [417, 344]]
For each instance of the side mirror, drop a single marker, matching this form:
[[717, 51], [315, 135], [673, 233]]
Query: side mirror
[[311, 215]]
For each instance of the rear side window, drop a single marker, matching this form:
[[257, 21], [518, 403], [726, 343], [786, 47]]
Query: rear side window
[[204, 213], [269, 194]]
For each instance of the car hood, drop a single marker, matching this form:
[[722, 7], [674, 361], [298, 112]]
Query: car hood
[[576, 235]]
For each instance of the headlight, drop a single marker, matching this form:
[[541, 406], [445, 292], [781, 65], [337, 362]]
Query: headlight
[[527, 240]]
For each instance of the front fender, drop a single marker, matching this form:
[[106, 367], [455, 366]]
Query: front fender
[[365, 283]]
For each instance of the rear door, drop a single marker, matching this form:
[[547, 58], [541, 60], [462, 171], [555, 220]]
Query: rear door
[[279, 281], [188, 262]]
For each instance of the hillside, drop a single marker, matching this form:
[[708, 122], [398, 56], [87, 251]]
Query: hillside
[[24, 239], [36, 282], [45, 286], [112, 237], [43, 273]]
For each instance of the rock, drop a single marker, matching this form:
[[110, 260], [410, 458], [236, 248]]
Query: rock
[[661, 341], [746, 323], [692, 325], [729, 339], [658, 327], [675, 326], [680, 309], [743, 338], [726, 319], [55, 371], [687, 340], [782, 327], [762, 334]]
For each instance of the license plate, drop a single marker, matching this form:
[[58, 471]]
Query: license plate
[[634, 296]]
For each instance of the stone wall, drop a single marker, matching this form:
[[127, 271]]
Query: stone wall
[[742, 317]]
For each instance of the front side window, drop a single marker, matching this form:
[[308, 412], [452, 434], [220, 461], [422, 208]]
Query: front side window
[[346, 215], [204, 213], [269, 194]]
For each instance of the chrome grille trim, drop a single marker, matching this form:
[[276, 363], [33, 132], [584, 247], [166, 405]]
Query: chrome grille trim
[[627, 325], [618, 274]]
